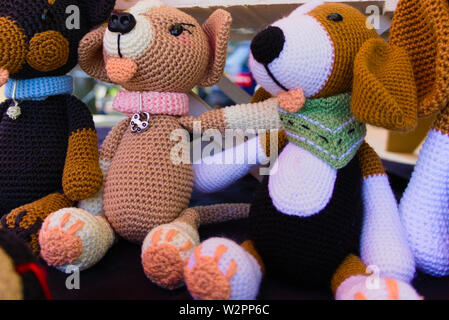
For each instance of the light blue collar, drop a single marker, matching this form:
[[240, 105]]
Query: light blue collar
[[38, 89]]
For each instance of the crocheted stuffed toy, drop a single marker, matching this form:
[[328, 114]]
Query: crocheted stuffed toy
[[48, 143], [21, 277], [327, 198], [420, 27], [158, 54]]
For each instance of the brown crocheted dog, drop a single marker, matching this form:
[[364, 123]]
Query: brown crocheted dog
[[158, 54]]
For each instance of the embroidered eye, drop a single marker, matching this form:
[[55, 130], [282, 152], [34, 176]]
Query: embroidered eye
[[334, 16], [178, 28]]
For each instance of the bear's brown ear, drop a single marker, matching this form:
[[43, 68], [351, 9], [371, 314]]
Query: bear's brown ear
[[218, 30], [384, 90], [90, 54], [421, 28]]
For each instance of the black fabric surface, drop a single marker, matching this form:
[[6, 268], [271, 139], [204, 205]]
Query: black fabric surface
[[120, 276]]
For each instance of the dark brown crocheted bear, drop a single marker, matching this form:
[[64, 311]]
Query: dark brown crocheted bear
[[48, 143]]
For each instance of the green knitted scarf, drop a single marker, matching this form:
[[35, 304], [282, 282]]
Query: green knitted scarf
[[326, 128]]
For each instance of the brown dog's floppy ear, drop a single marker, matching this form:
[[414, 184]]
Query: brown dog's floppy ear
[[384, 91], [421, 28], [218, 30], [90, 54]]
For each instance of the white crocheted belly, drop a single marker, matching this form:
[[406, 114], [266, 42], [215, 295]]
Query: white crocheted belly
[[302, 184]]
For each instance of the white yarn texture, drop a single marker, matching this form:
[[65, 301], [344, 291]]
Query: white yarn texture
[[306, 60], [384, 243], [424, 207], [358, 284], [303, 184], [94, 204], [132, 44], [210, 176]]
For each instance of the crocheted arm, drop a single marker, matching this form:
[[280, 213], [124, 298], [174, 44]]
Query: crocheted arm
[[383, 245], [213, 174], [82, 175], [94, 204], [260, 115]]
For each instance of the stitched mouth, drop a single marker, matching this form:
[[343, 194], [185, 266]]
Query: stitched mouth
[[274, 78], [118, 46]]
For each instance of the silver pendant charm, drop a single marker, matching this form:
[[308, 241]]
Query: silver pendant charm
[[140, 122], [14, 111]]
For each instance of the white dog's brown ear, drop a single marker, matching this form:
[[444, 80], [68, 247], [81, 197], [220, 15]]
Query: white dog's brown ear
[[384, 91], [218, 30], [90, 54], [421, 28]]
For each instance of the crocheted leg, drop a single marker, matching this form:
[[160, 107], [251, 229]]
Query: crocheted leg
[[424, 206], [383, 242], [166, 249], [351, 282], [26, 221], [74, 237], [220, 269]]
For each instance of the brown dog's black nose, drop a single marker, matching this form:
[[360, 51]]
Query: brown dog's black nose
[[267, 45], [121, 22]]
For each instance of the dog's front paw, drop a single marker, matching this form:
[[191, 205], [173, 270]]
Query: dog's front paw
[[165, 252], [220, 269], [73, 236], [364, 288]]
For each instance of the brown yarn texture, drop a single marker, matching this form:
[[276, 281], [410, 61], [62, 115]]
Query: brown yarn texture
[[14, 47], [351, 266], [27, 220], [421, 28], [370, 162], [82, 175], [222, 212], [144, 188], [384, 93], [346, 45], [90, 52], [42, 48]]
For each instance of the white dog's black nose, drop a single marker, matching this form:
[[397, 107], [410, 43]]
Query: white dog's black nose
[[121, 22], [267, 45]]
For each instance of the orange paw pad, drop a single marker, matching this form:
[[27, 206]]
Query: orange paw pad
[[163, 265], [206, 281], [59, 247], [162, 262]]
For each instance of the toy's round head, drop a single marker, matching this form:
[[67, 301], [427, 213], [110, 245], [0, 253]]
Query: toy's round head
[[326, 49], [21, 277], [153, 47], [312, 49], [40, 38]]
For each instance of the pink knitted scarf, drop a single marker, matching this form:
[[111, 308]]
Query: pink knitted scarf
[[168, 103]]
